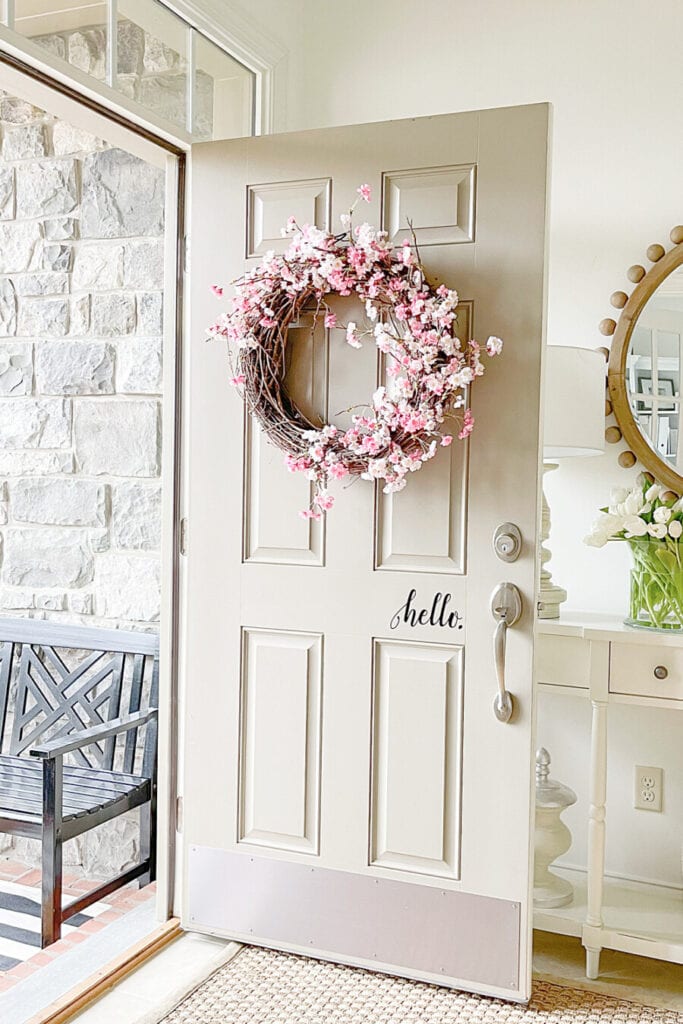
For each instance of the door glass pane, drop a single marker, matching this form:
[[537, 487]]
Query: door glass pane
[[223, 90], [75, 30], [152, 58]]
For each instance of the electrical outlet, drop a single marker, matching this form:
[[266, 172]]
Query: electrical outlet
[[648, 788]]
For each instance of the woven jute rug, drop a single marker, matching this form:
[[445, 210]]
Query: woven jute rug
[[262, 987]]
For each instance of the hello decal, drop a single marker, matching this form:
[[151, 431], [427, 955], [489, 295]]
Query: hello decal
[[435, 614]]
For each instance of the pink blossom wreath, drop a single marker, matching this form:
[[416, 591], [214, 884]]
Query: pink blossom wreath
[[413, 324]]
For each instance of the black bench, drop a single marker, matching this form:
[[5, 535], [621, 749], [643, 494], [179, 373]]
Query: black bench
[[69, 684]]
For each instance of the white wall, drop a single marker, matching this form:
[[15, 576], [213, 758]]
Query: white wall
[[612, 70]]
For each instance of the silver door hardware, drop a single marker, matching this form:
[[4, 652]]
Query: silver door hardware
[[506, 608], [661, 672], [507, 542]]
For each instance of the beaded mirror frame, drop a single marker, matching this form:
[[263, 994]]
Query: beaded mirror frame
[[617, 400]]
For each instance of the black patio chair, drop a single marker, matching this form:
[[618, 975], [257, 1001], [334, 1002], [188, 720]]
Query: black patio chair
[[68, 684]]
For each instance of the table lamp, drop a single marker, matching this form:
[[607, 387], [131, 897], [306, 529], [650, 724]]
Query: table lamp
[[573, 427]]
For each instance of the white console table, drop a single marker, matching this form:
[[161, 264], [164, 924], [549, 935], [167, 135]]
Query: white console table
[[602, 660]]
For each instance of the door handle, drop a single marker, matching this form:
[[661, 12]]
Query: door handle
[[506, 608]]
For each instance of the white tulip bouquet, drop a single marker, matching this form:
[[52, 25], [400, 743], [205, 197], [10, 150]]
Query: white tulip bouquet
[[650, 519]]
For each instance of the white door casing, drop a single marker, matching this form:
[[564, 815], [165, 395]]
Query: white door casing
[[348, 791]]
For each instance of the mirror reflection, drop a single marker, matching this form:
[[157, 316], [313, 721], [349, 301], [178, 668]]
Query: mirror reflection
[[653, 370]]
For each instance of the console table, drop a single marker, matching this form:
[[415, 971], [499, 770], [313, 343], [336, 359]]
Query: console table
[[601, 660]]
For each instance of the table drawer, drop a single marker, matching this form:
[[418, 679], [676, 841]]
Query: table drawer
[[633, 667], [562, 661]]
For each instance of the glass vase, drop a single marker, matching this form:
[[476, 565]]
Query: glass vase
[[656, 584]]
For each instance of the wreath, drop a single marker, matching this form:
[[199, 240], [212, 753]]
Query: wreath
[[429, 370]]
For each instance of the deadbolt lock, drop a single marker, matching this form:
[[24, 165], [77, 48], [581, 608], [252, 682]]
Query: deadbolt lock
[[507, 542]]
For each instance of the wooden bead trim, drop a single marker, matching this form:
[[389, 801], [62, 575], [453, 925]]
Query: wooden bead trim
[[646, 283]]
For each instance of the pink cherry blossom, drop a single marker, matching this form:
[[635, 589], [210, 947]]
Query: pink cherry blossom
[[467, 425], [217, 290], [337, 470], [446, 440], [238, 379], [365, 192], [351, 336], [324, 501], [309, 513], [330, 319], [494, 346]]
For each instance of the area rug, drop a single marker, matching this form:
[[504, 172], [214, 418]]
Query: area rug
[[262, 987]]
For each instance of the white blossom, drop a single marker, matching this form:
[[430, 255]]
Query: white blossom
[[618, 494], [662, 514], [635, 526]]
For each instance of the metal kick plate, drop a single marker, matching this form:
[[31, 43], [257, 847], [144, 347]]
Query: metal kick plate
[[418, 931]]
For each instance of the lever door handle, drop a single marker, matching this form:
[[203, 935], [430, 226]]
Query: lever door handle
[[506, 608]]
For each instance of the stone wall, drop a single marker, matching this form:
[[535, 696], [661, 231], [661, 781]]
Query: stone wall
[[81, 275], [148, 71]]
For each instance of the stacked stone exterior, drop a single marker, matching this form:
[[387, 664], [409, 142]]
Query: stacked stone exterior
[[148, 71], [81, 275]]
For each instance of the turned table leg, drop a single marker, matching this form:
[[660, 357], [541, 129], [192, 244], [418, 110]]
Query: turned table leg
[[596, 837]]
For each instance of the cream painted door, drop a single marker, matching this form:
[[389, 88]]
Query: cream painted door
[[348, 791]]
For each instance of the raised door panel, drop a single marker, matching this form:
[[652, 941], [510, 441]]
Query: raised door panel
[[279, 805], [270, 206], [435, 205], [273, 497], [416, 757], [424, 527]]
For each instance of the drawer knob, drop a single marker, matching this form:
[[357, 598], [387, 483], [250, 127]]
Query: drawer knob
[[661, 672]]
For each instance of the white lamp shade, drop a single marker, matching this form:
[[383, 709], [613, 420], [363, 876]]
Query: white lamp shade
[[574, 416]]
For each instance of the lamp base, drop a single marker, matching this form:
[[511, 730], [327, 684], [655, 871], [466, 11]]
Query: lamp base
[[550, 596]]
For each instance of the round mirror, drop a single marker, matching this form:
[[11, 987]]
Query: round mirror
[[645, 367]]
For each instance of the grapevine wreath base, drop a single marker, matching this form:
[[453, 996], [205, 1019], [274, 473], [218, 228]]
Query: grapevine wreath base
[[428, 368]]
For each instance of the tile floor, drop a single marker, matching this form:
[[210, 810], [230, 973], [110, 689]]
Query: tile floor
[[75, 885], [639, 979]]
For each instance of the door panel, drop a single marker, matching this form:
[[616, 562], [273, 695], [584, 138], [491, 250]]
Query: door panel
[[416, 758], [280, 740], [273, 497], [340, 736], [269, 206], [439, 203]]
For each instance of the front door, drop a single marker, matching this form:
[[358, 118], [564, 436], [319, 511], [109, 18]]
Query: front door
[[349, 792]]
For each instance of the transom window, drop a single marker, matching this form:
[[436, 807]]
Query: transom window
[[149, 56]]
